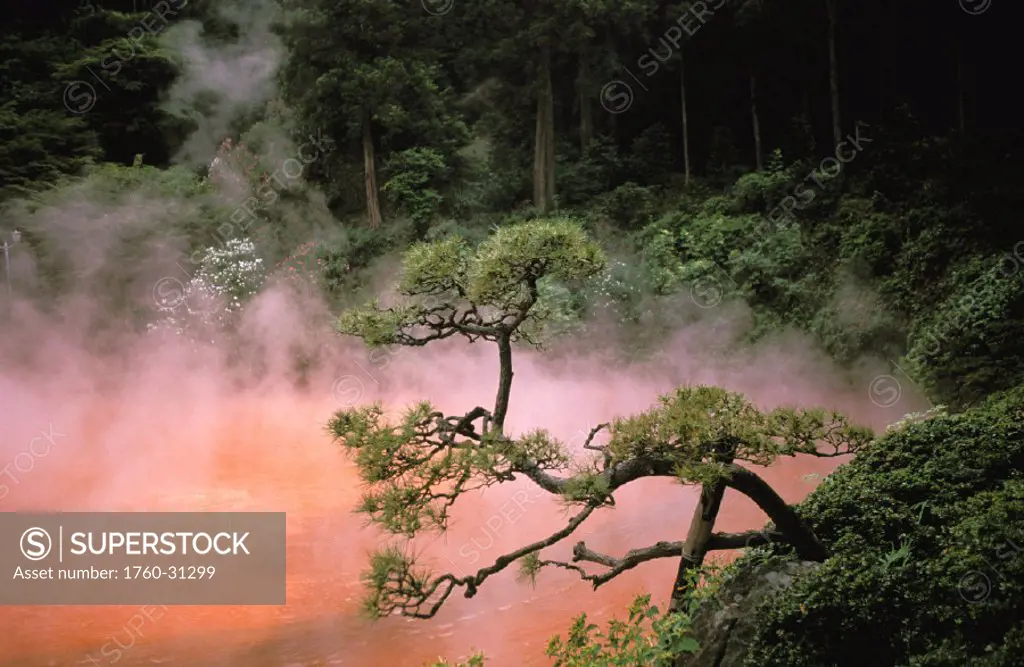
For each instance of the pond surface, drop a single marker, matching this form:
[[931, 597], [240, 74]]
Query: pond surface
[[271, 454]]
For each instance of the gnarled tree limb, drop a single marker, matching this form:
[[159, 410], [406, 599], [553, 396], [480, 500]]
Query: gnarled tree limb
[[783, 515], [446, 583], [634, 557]]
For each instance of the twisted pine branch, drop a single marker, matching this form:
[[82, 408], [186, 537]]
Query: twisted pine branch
[[408, 596], [634, 557]]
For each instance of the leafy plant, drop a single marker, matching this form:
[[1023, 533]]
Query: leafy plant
[[411, 185], [946, 488], [951, 351], [630, 206], [647, 638]]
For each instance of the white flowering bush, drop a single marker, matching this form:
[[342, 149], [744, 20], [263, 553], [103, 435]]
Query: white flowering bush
[[618, 290], [228, 277]]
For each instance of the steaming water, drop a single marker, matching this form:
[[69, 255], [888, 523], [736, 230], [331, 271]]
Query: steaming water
[[270, 453], [153, 432]]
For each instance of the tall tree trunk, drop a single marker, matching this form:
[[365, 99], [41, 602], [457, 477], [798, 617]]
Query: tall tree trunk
[[960, 97], [583, 94], [544, 144], [370, 171], [695, 547], [833, 72], [609, 122], [758, 159], [686, 121]]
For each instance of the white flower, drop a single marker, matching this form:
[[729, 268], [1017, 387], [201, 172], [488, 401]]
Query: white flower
[[227, 276]]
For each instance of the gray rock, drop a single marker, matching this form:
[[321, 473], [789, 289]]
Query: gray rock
[[724, 625]]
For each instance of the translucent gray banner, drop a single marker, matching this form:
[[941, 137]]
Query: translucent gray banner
[[165, 558]]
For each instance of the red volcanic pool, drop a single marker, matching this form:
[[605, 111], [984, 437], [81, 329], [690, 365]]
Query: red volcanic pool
[[272, 454]]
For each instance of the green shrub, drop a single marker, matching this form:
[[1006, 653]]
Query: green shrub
[[626, 643], [650, 160], [342, 259], [869, 239], [719, 205], [663, 270], [935, 240], [412, 177], [629, 206], [618, 289], [558, 308], [580, 178], [475, 660], [473, 231], [849, 331], [971, 344], [228, 277], [761, 191], [921, 526]]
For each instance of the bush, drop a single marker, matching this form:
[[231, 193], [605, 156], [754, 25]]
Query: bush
[[922, 527], [719, 205], [580, 178], [475, 660], [628, 206], [650, 160], [619, 290], [761, 191], [410, 188], [869, 239], [849, 330], [474, 231], [559, 309], [626, 643], [970, 344], [663, 270], [227, 279], [647, 638], [342, 258]]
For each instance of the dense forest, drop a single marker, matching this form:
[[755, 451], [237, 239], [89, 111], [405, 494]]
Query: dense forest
[[848, 170]]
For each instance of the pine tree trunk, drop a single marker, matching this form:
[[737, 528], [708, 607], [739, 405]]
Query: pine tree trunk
[[370, 171], [695, 548], [686, 122], [758, 158], [833, 72], [544, 148], [586, 110]]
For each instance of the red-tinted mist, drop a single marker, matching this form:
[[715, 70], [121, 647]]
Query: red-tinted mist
[[154, 428]]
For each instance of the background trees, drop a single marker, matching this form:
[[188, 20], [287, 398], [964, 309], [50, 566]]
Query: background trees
[[368, 75], [448, 117], [491, 58]]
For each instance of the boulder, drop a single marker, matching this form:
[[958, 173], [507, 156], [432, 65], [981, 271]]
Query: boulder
[[724, 625]]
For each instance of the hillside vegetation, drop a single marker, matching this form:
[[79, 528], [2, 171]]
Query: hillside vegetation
[[839, 168]]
